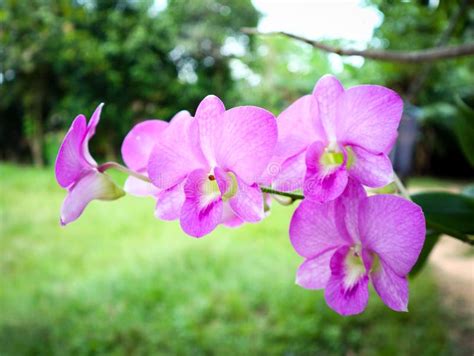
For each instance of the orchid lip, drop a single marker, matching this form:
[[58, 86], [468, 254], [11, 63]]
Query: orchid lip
[[232, 189], [355, 268], [212, 191], [333, 157]]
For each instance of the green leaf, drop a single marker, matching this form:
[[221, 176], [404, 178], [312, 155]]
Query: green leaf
[[464, 129], [430, 242], [448, 213]]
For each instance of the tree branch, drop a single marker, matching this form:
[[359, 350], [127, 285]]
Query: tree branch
[[418, 56]]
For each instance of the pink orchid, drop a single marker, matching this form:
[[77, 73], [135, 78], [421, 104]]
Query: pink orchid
[[353, 239], [218, 156], [136, 150], [78, 172], [334, 134]]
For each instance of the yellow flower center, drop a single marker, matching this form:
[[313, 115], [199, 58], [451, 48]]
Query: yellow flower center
[[211, 188], [332, 158]]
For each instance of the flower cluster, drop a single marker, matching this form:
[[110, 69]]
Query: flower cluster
[[213, 168]]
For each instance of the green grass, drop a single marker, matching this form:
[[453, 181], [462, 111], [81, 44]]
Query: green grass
[[118, 281]]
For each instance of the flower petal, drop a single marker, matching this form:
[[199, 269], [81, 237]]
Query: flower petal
[[298, 126], [392, 289], [229, 218], [393, 228], [139, 188], [347, 207], [322, 183], [314, 273], [315, 228], [249, 135], [247, 202], [139, 142], [209, 116], [292, 173], [169, 202], [368, 117], [202, 209], [372, 170], [94, 121], [91, 126], [70, 162], [177, 153], [347, 290], [326, 92], [93, 185]]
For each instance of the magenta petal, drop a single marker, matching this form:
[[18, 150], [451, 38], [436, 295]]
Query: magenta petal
[[139, 188], [139, 142], [94, 121], [326, 92], [314, 228], [393, 228], [93, 185], [249, 135], [70, 162], [314, 273], [392, 289], [347, 208], [223, 180], [343, 298], [229, 218], [368, 117], [372, 170], [176, 153], [298, 126], [292, 173], [202, 209], [321, 183], [247, 203], [169, 202], [91, 126], [209, 115]]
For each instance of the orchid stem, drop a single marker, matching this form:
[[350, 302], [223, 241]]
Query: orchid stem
[[293, 196], [114, 165], [401, 187]]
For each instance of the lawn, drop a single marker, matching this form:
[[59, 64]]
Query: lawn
[[118, 281]]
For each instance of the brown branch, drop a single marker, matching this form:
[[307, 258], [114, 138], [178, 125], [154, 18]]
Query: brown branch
[[425, 55]]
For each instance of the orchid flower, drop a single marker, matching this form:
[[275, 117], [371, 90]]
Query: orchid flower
[[78, 172], [218, 157], [136, 150], [334, 134], [355, 239]]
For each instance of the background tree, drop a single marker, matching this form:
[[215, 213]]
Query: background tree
[[64, 57]]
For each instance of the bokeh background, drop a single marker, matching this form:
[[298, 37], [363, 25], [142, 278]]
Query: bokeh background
[[118, 281]]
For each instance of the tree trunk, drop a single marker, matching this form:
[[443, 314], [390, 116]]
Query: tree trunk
[[33, 126]]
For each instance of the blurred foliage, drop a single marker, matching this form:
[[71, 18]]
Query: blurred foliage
[[61, 58]]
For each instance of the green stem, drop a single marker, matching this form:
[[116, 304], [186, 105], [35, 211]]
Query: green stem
[[401, 187], [114, 165], [293, 196]]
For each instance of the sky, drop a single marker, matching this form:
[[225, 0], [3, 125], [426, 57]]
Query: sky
[[320, 19], [316, 19]]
